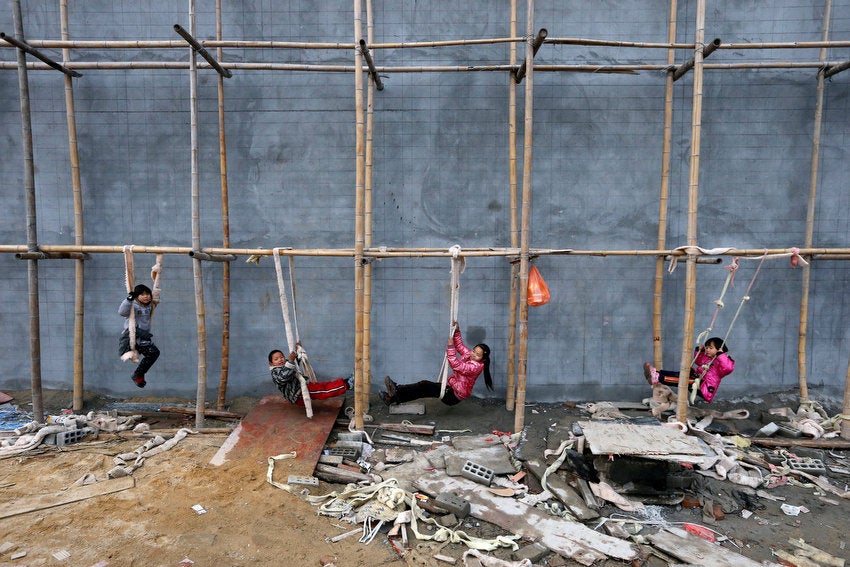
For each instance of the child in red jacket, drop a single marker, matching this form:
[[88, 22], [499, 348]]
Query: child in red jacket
[[711, 365]]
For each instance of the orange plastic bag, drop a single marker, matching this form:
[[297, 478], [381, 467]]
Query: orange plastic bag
[[538, 291]]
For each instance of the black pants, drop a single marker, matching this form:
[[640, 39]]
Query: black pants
[[144, 346], [424, 389]]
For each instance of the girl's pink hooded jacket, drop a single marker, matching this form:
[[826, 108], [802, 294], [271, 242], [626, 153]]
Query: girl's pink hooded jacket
[[722, 366], [466, 371]]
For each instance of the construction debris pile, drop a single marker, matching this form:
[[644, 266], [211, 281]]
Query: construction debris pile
[[606, 485]]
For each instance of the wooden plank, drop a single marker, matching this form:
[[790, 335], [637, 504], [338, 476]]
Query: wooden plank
[[565, 537], [274, 426], [207, 412], [406, 428], [605, 438], [814, 443], [697, 551], [44, 501]]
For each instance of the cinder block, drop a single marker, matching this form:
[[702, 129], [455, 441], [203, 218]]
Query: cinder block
[[813, 466], [453, 503], [67, 437], [344, 452], [303, 480], [477, 473]]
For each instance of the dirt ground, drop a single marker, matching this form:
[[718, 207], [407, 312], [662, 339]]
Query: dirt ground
[[250, 522]]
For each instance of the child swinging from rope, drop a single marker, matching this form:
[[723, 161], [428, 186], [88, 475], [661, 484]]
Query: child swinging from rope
[[140, 303], [467, 365], [285, 376], [711, 364]]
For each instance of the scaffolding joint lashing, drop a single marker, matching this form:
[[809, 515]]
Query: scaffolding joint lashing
[[25, 47], [536, 42], [364, 49], [196, 45]]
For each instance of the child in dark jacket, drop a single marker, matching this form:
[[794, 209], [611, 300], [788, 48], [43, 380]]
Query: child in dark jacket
[[141, 303], [285, 377], [711, 365]]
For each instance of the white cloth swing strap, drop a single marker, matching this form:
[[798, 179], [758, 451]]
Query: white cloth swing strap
[[458, 265], [284, 301], [290, 341], [129, 283]]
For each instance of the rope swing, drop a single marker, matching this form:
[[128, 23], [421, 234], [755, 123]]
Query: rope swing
[[291, 326], [458, 266], [129, 284], [730, 279]]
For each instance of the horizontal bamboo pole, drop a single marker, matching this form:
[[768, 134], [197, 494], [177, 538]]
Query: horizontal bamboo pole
[[247, 66], [251, 44], [385, 252]]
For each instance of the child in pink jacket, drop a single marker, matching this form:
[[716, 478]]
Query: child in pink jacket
[[467, 365], [712, 364]]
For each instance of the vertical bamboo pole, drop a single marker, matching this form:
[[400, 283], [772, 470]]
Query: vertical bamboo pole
[[225, 225], [802, 372], [361, 392], [79, 240], [31, 218], [519, 414], [845, 420], [657, 304], [510, 396], [200, 399], [693, 199], [367, 217]]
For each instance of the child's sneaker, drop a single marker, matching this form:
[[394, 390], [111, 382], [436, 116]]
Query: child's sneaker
[[385, 397], [349, 382], [139, 379], [650, 373]]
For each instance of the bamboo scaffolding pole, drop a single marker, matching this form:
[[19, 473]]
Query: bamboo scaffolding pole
[[693, 194], [51, 256], [79, 226], [535, 47], [202, 51], [373, 74], [845, 412], [525, 234], [197, 263], [506, 68], [225, 226], [510, 394], [31, 219], [367, 216], [664, 197], [382, 252], [361, 394], [299, 45], [835, 69], [22, 45], [802, 371], [706, 51]]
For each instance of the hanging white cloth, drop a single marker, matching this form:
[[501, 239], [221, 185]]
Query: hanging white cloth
[[458, 265], [291, 341]]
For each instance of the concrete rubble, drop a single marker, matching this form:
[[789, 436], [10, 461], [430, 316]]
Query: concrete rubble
[[589, 492]]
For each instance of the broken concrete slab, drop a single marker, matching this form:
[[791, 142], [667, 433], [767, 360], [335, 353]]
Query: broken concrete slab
[[697, 551], [565, 537], [625, 438]]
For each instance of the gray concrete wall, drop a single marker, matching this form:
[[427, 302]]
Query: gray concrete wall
[[440, 178]]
